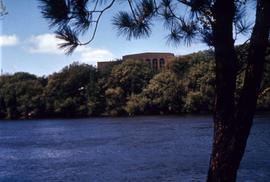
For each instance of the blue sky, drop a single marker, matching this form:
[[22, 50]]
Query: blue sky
[[27, 44]]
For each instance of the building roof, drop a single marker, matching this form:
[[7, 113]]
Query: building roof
[[150, 53]]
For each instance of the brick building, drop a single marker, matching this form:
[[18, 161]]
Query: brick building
[[156, 60], [106, 65]]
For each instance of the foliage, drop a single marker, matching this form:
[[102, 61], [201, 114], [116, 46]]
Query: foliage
[[198, 102], [114, 101], [164, 93], [79, 90], [137, 104], [264, 96], [131, 76], [72, 92], [21, 96], [196, 72]]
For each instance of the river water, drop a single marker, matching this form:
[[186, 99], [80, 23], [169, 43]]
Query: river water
[[142, 149]]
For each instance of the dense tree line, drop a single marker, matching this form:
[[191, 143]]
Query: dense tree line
[[130, 88]]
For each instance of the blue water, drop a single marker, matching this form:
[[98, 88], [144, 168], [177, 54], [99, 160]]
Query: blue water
[[122, 149]]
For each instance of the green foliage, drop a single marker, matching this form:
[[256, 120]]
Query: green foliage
[[79, 90], [263, 102], [3, 109], [198, 102], [131, 76], [137, 104], [164, 93], [29, 98], [125, 79], [196, 72], [72, 92], [21, 96], [114, 100]]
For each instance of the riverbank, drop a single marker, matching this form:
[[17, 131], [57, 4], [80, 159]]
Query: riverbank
[[257, 114]]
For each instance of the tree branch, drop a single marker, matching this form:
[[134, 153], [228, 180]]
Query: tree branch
[[97, 22]]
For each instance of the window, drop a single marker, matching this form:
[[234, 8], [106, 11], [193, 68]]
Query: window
[[148, 61], [162, 63], [155, 64]]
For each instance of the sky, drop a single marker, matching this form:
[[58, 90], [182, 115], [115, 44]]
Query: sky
[[27, 44]]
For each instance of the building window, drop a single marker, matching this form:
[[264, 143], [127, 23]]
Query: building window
[[155, 64], [161, 63], [148, 62]]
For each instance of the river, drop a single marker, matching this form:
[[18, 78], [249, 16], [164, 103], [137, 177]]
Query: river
[[143, 149]]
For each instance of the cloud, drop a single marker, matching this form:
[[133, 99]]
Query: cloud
[[45, 43], [48, 44], [92, 56], [8, 40]]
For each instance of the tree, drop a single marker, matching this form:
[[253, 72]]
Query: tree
[[216, 22], [125, 80], [3, 9], [30, 101], [131, 76], [73, 91], [264, 95], [137, 104], [21, 96], [199, 83], [114, 100], [164, 93], [2, 108]]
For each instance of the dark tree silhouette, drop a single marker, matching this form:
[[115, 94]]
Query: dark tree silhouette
[[215, 22]]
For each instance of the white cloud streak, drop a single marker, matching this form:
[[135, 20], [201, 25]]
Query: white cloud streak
[[92, 56], [8, 40], [45, 43], [48, 44]]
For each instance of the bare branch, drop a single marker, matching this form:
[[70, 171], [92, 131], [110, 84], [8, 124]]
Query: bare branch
[[132, 9], [97, 22]]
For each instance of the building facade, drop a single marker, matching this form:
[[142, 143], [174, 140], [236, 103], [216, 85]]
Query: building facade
[[106, 65], [156, 60]]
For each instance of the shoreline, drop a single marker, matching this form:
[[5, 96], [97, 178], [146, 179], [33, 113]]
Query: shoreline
[[183, 115]]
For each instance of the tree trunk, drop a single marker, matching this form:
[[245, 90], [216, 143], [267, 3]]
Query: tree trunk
[[220, 167], [232, 124]]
